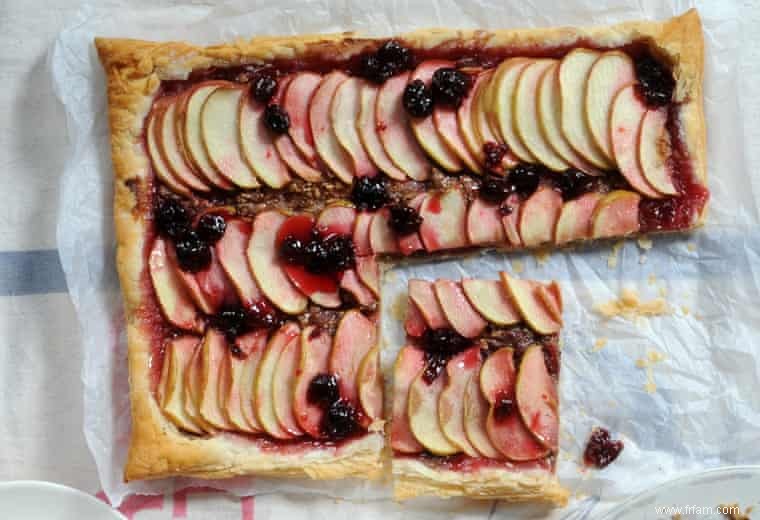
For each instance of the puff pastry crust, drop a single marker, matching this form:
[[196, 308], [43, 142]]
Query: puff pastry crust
[[134, 71]]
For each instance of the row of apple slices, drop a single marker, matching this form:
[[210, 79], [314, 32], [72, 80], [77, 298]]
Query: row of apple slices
[[459, 411], [204, 387]]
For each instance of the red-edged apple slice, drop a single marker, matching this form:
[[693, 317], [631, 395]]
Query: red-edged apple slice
[[337, 220], [296, 103], [505, 428], [175, 302], [412, 242], [213, 352], [327, 145], [234, 399], [231, 251], [265, 380], [257, 144], [252, 345], [616, 215], [382, 239], [574, 71], [369, 273], [539, 215], [654, 151], [484, 223], [444, 217], [190, 129], [575, 218], [550, 120], [537, 398], [415, 324], [169, 145], [193, 384], [392, 124], [457, 309], [527, 119], [483, 129], [627, 115], [490, 298], [356, 335], [424, 127], [459, 370], [511, 220], [344, 113], [283, 382], [530, 305], [611, 72], [160, 167], [475, 416], [371, 386], [503, 99], [466, 120], [350, 282], [368, 133], [551, 297], [191, 284], [292, 157], [409, 363], [315, 355], [422, 294], [220, 130], [423, 415], [269, 275], [177, 358], [216, 287], [361, 233], [447, 125]]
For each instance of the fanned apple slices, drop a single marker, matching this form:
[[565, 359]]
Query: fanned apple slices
[[475, 390]]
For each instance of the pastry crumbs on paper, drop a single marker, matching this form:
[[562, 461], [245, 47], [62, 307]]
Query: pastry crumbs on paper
[[645, 243], [691, 246], [685, 310], [651, 279], [517, 266], [612, 260], [642, 259], [631, 307], [542, 256], [599, 344]]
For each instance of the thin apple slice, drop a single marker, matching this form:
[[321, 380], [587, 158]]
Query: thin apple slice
[[169, 145], [551, 297], [424, 127], [193, 384], [490, 298], [412, 242], [164, 379], [409, 363], [511, 220], [483, 128], [655, 150], [283, 383], [315, 355], [257, 143], [213, 352], [369, 273], [296, 100], [361, 233], [484, 223], [356, 335], [414, 324], [370, 383], [612, 71], [216, 287], [220, 130], [190, 128], [327, 145], [574, 221], [574, 71], [382, 239], [190, 283], [423, 415], [252, 345], [344, 112], [475, 415], [466, 119], [462, 317], [503, 99], [422, 294], [368, 133], [505, 428], [447, 125], [532, 309], [350, 282], [550, 120], [231, 250], [234, 398], [616, 215], [158, 163], [177, 358], [459, 370], [444, 217], [265, 380], [173, 299], [539, 215], [292, 157], [527, 118], [628, 113], [537, 399], [392, 125], [269, 275], [337, 219]]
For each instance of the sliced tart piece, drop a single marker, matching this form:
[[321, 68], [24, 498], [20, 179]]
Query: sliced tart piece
[[296, 100], [283, 383], [257, 145], [344, 113], [370, 383], [369, 133], [231, 251], [537, 399], [157, 161], [616, 215], [214, 353], [326, 143], [462, 317], [422, 410], [504, 84], [490, 299], [171, 151], [382, 239], [315, 355], [530, 305], [173, 299], [177, 358], [459, 370], [422, 294], [409, 364], [484, 223], [655, 150], [355, 336], [444, 217], [539, 215], [574, 221]]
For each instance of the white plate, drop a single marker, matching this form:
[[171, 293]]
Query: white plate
[[708, 489], [34, 500]]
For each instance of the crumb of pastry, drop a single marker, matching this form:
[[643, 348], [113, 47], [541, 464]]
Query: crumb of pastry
[[651, 279], [685, 310], [676, 516], [691, 246], [542, 255], [662, 291], [612, 259], [652, 358], [642, 259], [645, 243], [733, 511], [599, 344], [631, 307], [517, 266]]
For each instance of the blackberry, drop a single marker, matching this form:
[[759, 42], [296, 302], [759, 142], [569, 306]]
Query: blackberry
[[263, 88], [193, 253], [292, 250], [340, 252], [404, 220], [601, 450], [369, 193], [262, 315], [450, 86], [211, 227], [418, 99], [340, 420], [494, 154], [494, 189], [276, 119], [444, 341], [323, 390], [316, 259], [573, 183], [171, 218], [434, 366], [656, 83], [375, 70], [524, 178], [394, 54], [230, 321], [505, 406]]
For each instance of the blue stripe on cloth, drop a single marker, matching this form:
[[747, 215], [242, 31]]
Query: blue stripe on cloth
[[31, 272]]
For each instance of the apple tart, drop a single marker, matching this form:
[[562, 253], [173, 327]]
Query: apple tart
[[257, 185]]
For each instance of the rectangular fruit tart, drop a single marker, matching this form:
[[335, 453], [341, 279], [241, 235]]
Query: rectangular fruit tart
[[258, 184], [475, 400]]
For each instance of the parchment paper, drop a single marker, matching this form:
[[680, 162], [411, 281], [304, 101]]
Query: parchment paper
[[705, 410]]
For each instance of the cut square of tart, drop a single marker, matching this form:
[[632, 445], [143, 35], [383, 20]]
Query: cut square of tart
[[475, 391], [258, 185]]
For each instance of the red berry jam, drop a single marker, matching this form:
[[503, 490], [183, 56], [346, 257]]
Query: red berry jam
[[601, 450]]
